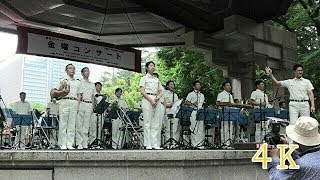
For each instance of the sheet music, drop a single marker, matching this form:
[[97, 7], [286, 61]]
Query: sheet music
[[175, 107]]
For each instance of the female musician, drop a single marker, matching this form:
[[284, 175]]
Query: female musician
[[151, 90]]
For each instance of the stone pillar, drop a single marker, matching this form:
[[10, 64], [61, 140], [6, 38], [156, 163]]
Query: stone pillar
[[236, 88]]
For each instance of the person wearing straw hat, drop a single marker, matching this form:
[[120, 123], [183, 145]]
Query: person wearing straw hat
[[305, 134]]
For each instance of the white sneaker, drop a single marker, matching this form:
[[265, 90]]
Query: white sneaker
[[148, 148], [63, 147]]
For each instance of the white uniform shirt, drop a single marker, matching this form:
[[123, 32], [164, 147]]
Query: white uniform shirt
[[53, 108], [194, 97], [121, 103], [151, 84], [260, 97], [170, 97], [225, 96], [22, 107], [87, 89], [74, 85], [298, 88]]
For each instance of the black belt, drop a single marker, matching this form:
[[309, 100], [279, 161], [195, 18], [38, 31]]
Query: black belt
[[298, 100], [152, 94], [86, 101], [72, 98]]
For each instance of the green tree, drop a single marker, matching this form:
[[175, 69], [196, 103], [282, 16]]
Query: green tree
[[184, 67], [303, 19]]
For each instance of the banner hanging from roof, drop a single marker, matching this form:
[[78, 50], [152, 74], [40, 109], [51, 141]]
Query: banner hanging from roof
[[44, 43]]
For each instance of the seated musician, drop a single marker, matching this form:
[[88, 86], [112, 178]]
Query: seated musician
[[22, 107], [260, 100], [225, 99], [117, 123], [196, 99], [170, 123]]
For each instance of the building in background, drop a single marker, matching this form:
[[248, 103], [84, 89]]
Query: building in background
[[34, 75]]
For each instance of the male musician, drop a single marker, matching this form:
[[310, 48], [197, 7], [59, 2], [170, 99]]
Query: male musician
[[196, 99], [171, 123], [96, 119], [52, 114], [22, 107], [117, 123], [225, 99], [68, 106], [87, 92], [259, 99], [300, 90]]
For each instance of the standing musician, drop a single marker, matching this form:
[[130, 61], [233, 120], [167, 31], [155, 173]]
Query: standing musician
[[117, 123], [67, 89], [300, 90], [259, 99], [196, 99], [22, 107], [225, 99], [86, 106], [171, 124], [96, 119], [151, 90]]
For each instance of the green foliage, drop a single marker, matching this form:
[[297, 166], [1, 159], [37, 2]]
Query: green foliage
[[129, 83], [303, 19], [184, 67], [39, 106]]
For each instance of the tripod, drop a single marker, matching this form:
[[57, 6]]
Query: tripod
[[97, 141], [171, 140]]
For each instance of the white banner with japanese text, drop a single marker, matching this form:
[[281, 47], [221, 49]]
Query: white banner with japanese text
[[67, 47]]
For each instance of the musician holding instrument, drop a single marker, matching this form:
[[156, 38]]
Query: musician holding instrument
[[225, 99], [151, 90], [86, 106], [195, 99], [117, 123], [171, 123], [22, 107], [259, 99], [96, 119], [67, 89]]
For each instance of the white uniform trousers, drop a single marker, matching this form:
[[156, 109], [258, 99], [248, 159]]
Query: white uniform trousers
[[95, 118], [22, 135], [197, 130], [297, 109], [261, 130], [227, 132], [67, 124], [151, 123], [117, 135], [82, 124], [175, 133]]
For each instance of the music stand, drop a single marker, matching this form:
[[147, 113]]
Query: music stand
[[260, 115], [183, 115], [229, 115], [283, 114], [210, 118], [21, 120]]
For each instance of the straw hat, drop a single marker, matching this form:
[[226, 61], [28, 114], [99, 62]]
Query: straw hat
[[305, 131]]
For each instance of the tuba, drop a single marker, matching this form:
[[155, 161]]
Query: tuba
[[63, 85]]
